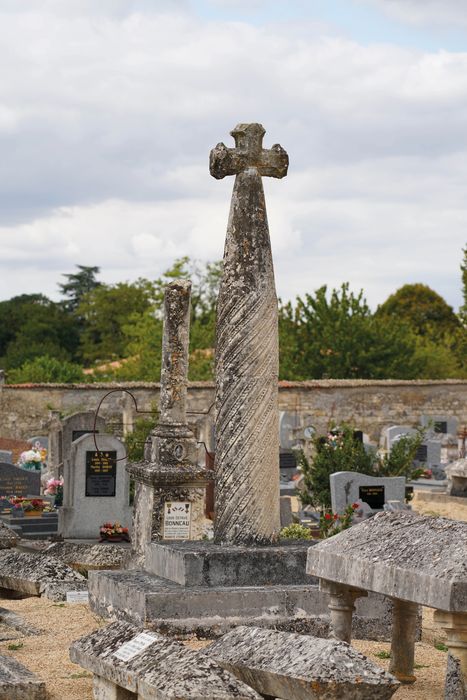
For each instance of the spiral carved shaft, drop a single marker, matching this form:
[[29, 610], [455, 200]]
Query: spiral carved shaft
[[247, 451]]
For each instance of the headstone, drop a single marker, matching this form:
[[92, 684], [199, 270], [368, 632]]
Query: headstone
[[349, 487], [289, 424], [63, 432], [40, 441], [440, 424], [394, 432], [247, 353], [15, 481], [428, 454], [97, 488], [6, 456], [170, 484]]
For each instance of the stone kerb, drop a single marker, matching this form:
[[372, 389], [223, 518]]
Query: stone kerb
[[94, 492], [349, 487]]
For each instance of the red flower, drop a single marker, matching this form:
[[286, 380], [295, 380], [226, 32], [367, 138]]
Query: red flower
[[355, 506], [328, 516], [336, 516]]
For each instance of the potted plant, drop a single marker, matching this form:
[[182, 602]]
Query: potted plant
[[31, 507], [113, 532]]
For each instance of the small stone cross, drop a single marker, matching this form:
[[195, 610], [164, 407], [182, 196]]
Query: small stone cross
[[248, 153]]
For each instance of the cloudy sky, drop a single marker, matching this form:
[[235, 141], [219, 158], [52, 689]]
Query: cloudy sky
[[108, 110]]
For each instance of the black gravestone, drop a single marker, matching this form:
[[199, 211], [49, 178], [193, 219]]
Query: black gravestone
[[373, 495], [15, 481], [101, 473]]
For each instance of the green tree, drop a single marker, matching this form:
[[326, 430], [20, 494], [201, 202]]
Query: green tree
[[463, 308], [46, 369], [337, 336], [423, 309], [32, 325], [78, 285]]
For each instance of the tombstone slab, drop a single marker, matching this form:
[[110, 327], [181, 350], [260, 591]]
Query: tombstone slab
[[350, 487], [163, 670], [296, 667], [31, 573], [18, 683]]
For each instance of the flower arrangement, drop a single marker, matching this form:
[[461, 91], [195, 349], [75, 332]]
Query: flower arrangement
[[114, 531], [33, 459], [29, 505], [332, 523], [55, 488]]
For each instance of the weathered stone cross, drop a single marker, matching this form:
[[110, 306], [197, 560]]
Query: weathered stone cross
[[248, 153], [247, 353]]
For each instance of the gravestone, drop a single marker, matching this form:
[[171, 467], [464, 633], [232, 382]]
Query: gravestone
[[289, 426], [350, 487], [6, 456], [63, 432], [440, 424], [15, 481], [394, 432], [428, 454], [40, 441], [97, 488]]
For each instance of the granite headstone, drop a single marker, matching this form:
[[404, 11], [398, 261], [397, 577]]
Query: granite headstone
[[349, 487], [15, 481]]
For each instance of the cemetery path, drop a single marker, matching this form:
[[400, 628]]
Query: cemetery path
[[61, 623]]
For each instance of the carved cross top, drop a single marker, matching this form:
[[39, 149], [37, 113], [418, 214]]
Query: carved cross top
[[248, 153]]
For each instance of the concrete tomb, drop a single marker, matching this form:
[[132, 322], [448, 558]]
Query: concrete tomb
[[18, 683], [34, 573], [351, 487], [299, 667], [415, 560], [96, 489]]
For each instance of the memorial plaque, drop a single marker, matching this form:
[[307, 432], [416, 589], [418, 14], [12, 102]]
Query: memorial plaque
[[101, 473], [177, 520], [373, 495], [421, 454], [15, 481], [135, 646], [77, 597], [79, 433], [441, 426]]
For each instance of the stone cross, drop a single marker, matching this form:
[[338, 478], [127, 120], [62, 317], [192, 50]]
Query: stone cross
[[247, 355]]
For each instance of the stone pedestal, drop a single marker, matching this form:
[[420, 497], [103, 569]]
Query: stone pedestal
[[404, 632], [341, 606], [455, 626]]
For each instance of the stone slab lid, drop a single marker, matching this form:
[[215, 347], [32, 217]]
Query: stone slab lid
[[402, 555], [300, 667], [31, 572], [165, 670]]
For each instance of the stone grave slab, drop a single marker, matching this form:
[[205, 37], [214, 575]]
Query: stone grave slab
[[15, 481], [164, 670], [18, 683], [31, 573], [400, 554], [298, 667], [8, 537], [350, 487], [208, 564]]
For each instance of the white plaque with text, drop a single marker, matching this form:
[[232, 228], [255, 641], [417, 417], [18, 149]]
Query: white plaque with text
[[135, 646], [77, 597], [177, 520]]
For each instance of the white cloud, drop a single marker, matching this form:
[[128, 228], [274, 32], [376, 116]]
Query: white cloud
[[425, 12], [108, 111]]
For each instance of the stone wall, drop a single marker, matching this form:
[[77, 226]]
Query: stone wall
[[369, 405]]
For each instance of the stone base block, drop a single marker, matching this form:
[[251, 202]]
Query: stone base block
[[207, 564], [296, 667], [146, 600], [17, 683], [164, 670]]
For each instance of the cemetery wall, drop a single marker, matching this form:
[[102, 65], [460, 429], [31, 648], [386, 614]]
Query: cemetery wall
[[369, 405]]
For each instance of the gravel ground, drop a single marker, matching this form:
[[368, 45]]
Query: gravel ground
[[47, 654], [455, 511]]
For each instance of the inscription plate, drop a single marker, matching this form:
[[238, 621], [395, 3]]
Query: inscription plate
[[422, 453], [373, 495], [441, 426], [177, 520], [101, 473], [15, 481], [135, 646], [77, 597]]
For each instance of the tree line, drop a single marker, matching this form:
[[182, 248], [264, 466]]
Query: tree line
[[106, 332]]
